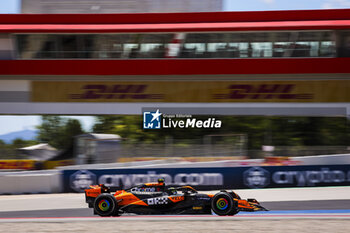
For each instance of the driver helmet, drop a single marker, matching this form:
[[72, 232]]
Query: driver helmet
[[161, 181]]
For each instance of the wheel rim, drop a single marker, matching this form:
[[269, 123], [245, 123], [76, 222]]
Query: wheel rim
[[104, 205], [222, 203]]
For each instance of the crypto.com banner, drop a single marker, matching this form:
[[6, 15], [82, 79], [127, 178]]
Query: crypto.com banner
[[325, 91], [212, 178]]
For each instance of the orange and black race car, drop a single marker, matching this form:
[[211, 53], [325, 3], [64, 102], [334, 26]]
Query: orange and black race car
[[157, 198]]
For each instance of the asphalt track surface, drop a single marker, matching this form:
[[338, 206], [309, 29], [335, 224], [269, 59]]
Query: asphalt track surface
[[306, 210], [318, 207]]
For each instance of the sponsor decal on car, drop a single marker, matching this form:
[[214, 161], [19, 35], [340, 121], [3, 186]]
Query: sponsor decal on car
[[157, 201]]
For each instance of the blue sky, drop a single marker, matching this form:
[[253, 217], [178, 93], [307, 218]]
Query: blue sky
[[9, 6], [16, 123], [263, 5]]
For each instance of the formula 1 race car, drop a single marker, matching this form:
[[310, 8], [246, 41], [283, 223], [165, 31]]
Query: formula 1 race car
[[156, 198]]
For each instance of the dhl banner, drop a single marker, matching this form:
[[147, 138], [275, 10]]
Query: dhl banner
[[24, 164], [192, 91]]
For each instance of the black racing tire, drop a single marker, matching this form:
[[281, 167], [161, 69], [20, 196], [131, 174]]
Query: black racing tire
[[223, 204], [105, 205]]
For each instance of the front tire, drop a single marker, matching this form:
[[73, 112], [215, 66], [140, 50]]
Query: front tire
[[105, 205], [223, 204]]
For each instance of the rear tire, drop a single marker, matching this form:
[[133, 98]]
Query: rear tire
[[223, 204], [105, 205]]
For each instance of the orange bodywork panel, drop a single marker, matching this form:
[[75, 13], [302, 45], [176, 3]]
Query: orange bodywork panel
[[245, 205], [140, 202], [176, 198], [118, 192], [94, 191], [154, 184], [126, 198]]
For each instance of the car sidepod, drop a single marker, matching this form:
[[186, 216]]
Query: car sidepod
[[171, 204]]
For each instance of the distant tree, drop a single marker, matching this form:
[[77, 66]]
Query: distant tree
[[129, 127], [49, 130], [67, 132], [2, 143], [59, 132], [19, 143], [260, 130], [105, 124]]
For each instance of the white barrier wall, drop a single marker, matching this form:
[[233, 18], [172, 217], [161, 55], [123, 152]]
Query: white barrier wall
[[49, 181], [30, 182], [338, 159]]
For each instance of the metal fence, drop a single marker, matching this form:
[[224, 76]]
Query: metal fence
[[210, 145], [180, 150], [226, 150], [309, 150]]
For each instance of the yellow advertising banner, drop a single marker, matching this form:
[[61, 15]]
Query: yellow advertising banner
[[17, 164], [192, 91], [57, 163]]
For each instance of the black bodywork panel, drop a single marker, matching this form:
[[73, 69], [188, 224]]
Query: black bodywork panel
[[193, 203]]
